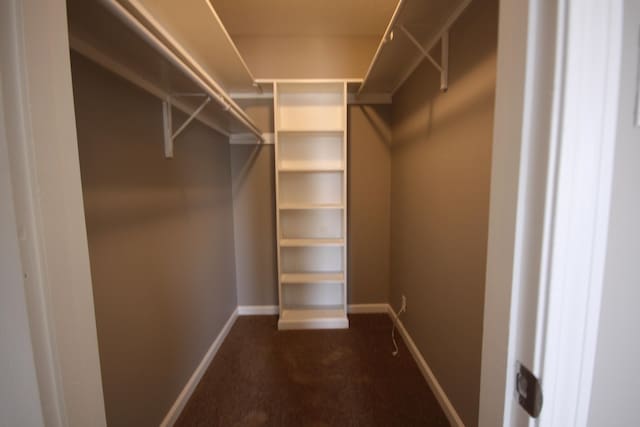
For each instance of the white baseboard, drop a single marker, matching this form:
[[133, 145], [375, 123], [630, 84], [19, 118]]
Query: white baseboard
[[251, 310], [445, 403], [187, 391], [368, 308]]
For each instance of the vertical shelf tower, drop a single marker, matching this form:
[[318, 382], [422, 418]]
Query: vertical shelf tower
[[311, 193]]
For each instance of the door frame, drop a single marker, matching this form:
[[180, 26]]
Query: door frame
[[554, 140], [49, 213]]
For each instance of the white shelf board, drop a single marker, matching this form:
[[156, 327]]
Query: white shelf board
[[310, 167], [311, 130], [305, 206], [313, 317], [195, 25], [396, 59], [294, 243], [331, 277]]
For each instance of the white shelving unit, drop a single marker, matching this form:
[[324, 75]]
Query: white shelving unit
[[311, 188]]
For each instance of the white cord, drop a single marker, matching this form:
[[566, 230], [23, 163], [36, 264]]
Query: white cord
[[393, 330]]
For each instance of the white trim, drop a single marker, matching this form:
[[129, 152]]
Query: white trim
[[585, 135], [45, 173], [557, 77], [368, 308], [187, 391], [257, 310], [427, 373]]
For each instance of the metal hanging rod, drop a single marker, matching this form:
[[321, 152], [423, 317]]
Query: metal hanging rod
[[206, 83]]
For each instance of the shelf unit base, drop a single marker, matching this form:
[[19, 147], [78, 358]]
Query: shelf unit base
[[313, 319]]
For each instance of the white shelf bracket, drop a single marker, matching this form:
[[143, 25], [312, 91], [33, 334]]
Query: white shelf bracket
[[167, 120], [443, 66], [444, 62]]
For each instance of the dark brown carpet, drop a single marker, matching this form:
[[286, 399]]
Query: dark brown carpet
[[265, 377]]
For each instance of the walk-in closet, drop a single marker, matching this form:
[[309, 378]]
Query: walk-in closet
[[287, 207]]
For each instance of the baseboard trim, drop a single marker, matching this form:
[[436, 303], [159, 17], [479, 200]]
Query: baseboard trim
[[253, 310], [187, 391], [427, 373], [368, 308]]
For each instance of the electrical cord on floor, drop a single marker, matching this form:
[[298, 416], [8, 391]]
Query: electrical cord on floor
[[396, 317]]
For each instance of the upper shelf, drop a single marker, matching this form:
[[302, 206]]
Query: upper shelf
[[397, 55], [195, 26], [124, 42]]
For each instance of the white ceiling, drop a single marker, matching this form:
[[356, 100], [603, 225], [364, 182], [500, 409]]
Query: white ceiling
[[271, 18]]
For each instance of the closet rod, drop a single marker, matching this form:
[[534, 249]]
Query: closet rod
[[218, 94], [385, 38]]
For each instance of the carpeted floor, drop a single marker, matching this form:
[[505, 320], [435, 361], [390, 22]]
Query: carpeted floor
[[265, 377]]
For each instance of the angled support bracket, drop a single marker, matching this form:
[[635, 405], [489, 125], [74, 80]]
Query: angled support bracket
[[443, 66], [167, 120]]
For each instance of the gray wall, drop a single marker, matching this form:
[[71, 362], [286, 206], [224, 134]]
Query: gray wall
[[160, 242], [369, 179], [254, 212], [440, 180], [369, 203], [255, 224], [616, 379]]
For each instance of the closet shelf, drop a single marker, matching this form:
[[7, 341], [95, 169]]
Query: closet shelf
[[312, 130], [156, 54], [313, 317], [311, 167], [293, 243], [414, 29], [331, 277], [304, 206]]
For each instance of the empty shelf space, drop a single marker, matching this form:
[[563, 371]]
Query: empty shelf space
[[292, 243], [323, 277], [313, 317], [311, 187], [310, 107]]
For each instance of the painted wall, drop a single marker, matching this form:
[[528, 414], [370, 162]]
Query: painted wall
[[616, 378], [160, 242], [440, 180], [369, 203], [369, 208], [307, 57], [254, 212]]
